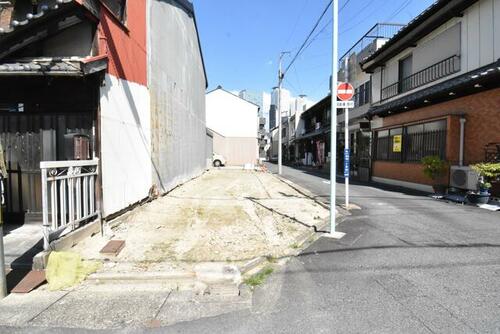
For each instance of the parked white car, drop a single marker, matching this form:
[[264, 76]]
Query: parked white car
[[218, 160]]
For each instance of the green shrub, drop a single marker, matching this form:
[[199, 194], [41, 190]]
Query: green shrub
[[434, 166], [488, 172]]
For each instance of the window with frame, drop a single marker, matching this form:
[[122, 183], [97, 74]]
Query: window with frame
[[411, 143], [368, 92], [118, 8], [362, 94]]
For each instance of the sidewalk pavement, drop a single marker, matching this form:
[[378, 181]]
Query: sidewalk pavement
[[181, 253]]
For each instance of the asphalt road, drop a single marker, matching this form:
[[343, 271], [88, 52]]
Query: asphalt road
[[408, 264]]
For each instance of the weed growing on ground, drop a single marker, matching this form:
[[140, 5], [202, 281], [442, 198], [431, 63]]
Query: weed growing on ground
[[271, 259], [259, 278]]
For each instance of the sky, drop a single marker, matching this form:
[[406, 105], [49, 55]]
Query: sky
[[242, 39]]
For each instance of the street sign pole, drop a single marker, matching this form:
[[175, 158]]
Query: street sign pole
[[347, 157], [347, 153], [333, 127]]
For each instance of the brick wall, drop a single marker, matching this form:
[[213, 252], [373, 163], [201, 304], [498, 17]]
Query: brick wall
[[408, 172], [5, 16], [482, 114]]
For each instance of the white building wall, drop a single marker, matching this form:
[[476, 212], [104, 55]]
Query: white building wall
[[230, 115], [125, 144]]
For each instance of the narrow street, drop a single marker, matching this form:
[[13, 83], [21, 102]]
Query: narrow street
[[408, 264]]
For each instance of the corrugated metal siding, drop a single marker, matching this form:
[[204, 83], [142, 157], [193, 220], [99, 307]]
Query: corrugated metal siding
[[177, 87]]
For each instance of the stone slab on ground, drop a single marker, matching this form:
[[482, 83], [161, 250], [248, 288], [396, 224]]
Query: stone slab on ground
[[21, 309], [99, 307], [102, 310]]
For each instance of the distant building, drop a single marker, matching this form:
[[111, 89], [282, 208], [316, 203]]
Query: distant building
[[266, 108], [234, 123], [263, 100], [284, 106]]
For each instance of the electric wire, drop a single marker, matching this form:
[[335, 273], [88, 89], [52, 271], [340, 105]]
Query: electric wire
[[399, 10], [308, 37]]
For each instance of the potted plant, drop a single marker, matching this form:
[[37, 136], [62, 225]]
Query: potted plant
[[435, 168], [488, 172]]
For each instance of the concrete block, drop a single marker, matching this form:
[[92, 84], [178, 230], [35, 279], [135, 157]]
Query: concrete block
[[71, 239], [40, 260], [212, 273]]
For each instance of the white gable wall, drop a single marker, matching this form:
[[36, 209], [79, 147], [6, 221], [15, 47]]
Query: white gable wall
[[230, 115]]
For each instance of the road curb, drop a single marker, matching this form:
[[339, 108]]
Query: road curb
[[252, 264], [310, 195]]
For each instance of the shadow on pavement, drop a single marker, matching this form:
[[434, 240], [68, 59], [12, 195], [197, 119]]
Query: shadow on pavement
[[254, 200]]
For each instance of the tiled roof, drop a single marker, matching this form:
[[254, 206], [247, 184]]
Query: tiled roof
[[44, 10], [54, 66]]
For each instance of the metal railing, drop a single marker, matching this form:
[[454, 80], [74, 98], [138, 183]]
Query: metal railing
[[430, 74], [419, 145], [68, 195], [365, 47], [415, 146], [492, 152]]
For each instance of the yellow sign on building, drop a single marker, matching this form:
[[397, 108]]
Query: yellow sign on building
[[397, 143]]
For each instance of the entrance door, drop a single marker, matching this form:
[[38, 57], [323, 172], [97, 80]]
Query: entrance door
[[363, 143], [28, 139]]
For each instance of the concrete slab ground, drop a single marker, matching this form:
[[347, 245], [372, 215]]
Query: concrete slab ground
[[201, 234], [21, 243], [223, 216]]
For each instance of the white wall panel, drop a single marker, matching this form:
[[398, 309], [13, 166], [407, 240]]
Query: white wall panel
[[486, 32], [126, 145], [496, 29], [230, 115], [376, 85], [473, 37]]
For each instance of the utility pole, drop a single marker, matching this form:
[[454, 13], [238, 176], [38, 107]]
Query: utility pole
[[333, 127], [347, 151], [281, 75]]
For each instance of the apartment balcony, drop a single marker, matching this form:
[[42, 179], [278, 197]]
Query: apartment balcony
[[428, 75]]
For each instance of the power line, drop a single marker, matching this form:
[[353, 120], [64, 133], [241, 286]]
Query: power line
[[344, 5], [297, 22], [327, 25], [400, 9], [364, 18], [308, 36]]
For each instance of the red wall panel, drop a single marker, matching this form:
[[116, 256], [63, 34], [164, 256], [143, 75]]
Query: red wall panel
[[125, 45]]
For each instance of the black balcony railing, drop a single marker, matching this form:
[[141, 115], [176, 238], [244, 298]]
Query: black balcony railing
[[432, 73]]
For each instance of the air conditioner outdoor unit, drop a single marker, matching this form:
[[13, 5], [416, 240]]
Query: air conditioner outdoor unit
[[463, 177]]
